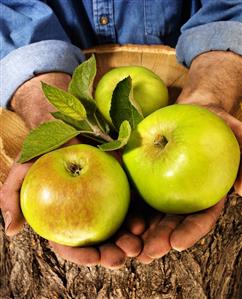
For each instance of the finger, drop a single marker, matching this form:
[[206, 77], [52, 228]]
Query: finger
[[157, 238], [9, 198], [13, 217], [144, 259], [195, 226], [140, 215], [130, 244], [135, 224], [112, 257], [152, 219], [87, 256], [234, 124], [238, 183]]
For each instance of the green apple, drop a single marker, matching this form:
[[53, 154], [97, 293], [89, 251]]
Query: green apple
[[182, 159], [149, 91], [76, 196]]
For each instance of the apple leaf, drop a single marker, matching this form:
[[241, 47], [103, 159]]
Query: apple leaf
[[122, 107], [88, 127], [81, 85], [123, 138], [47, 137], [65, 102], [81, 125]]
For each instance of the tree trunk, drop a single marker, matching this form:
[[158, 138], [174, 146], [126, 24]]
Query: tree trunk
[[210, 269]]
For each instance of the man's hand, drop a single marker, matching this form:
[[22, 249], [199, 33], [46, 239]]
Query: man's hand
[[181, 232], [29, 102], [214, 82], [111, 254]]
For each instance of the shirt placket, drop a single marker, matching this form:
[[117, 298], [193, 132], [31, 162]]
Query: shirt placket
[[103, 14]]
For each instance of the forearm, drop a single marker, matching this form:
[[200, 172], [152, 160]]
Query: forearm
[[29, 101], [214, 78]]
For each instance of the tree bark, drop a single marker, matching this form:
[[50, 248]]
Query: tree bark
[[29, 269], [210, 269]]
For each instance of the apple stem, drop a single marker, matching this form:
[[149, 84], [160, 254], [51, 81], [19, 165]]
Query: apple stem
[[160, 141], [99, 133], [104, 136], [74, 169]]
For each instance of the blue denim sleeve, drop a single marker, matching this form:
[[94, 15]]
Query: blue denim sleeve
[[216, 26], [25, 62], [32, 41]]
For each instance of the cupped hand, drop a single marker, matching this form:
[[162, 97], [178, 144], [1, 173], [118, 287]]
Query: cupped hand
[[180, 232], [236, 126], [214, 82], [111, 254], [29, 102]]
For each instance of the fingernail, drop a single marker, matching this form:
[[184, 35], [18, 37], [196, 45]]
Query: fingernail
[[177, 249], [7, 220]]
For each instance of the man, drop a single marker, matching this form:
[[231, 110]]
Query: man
[[41, 41]]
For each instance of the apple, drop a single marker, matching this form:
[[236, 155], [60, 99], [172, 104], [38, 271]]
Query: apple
[[149, 91], [76, 196], [182, 159]]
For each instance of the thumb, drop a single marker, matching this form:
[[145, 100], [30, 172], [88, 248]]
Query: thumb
[[234, 123], [9, 198], [238, 183], [236, 126]]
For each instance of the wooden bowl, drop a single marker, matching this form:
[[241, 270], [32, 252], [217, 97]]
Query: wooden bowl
[[12, 133], [160, 59]]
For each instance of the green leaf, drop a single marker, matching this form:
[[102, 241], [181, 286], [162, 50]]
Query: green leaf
[[123, 138], [122, 107], [86, 127], [81, 84], [65, 102], [47, 137], [81, 125]]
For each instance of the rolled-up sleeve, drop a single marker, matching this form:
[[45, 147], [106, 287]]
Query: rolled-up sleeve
[[25, 62], [32, 42], [216, 26]]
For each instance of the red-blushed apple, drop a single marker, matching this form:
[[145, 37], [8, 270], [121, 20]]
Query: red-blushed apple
[[149, 91], [76, 196], [182, 158]]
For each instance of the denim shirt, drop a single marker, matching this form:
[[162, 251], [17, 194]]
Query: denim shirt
[[38, 36]]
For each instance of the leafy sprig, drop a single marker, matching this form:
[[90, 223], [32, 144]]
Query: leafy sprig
[[77, 114]]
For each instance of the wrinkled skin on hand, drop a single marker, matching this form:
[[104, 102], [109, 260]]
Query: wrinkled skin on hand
[[214, 82], [111, 254], [30, 104], [179, 232]]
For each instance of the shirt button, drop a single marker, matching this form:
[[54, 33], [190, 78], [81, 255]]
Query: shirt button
[[104, 20]]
